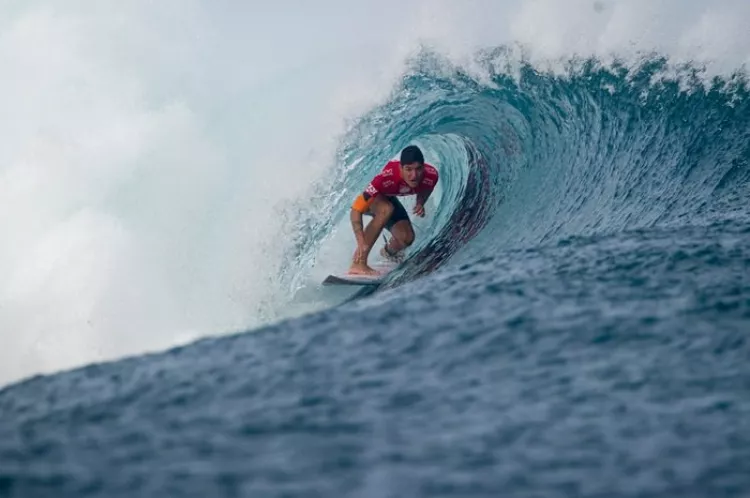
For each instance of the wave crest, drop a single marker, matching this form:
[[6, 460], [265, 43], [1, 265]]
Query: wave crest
[[528, 157]]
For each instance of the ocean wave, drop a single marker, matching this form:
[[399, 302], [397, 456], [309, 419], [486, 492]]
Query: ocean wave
[[529, 157]]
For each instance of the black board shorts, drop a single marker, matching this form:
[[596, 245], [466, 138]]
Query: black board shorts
[[399, 212]]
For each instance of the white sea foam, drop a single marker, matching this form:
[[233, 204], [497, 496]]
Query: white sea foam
[[148, 149]]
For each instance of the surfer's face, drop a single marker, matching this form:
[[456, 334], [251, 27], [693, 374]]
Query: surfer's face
[[412, 173]]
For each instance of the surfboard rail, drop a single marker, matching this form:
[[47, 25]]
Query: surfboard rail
[[353, 280]]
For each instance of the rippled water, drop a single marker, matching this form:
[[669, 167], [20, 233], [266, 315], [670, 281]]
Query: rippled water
[[572, 322]]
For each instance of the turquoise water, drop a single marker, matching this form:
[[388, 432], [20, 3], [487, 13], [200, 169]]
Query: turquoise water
[[572, 320], [529, 158]]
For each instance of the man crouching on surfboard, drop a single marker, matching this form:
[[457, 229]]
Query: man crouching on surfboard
[[408, 176]]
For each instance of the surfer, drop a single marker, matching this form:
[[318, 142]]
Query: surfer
[[408, 176]]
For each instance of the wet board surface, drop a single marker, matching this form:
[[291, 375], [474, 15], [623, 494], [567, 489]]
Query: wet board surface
[[346, 279]]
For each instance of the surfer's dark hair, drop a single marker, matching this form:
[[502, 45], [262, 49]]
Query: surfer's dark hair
[[412, 154]]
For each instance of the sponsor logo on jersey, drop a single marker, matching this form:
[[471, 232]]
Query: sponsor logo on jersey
[[387, 172], [371, 189], [388, 183], [428, 182]]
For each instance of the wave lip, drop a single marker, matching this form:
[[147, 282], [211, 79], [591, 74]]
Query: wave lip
[[592, 236], [528, 158]]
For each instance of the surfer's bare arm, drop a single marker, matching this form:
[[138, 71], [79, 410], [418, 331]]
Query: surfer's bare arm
[[423, 196], [360, 205], [356, 219], [421, 199]]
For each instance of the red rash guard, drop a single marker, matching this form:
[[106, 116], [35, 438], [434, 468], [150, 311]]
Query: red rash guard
[[389, 182]]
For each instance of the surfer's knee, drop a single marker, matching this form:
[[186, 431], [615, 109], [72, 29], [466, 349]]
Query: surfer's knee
[[382, 208], [404, 233], [407, 236]]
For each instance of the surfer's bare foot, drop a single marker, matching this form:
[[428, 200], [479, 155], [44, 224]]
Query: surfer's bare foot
[[393, 258], [362, 269]]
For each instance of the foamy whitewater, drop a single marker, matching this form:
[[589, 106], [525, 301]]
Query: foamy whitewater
[[150, 152], [175, 180]]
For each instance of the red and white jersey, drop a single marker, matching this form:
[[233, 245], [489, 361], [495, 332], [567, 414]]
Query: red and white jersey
[[389, 182]]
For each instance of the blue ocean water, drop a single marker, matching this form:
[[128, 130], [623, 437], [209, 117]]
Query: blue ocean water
[[572, 320]]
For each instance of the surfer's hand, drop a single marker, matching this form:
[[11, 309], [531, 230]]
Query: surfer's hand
[[419, 210]]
